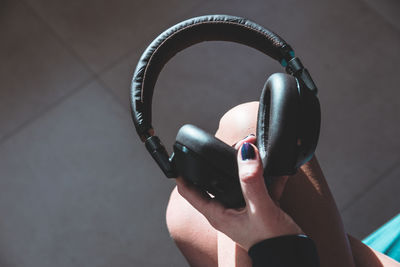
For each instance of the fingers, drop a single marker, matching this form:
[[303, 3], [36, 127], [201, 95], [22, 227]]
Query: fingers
[[192, 195], [201, 201], [279, 183], [251, 178]]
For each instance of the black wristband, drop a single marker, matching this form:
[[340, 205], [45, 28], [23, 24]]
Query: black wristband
[[290, 250]]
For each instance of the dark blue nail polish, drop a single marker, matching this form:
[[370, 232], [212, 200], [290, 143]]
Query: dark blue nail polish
[[247, 151]]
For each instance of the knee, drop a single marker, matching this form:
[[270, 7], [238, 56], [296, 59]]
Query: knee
[[184, 222], [175, 219], [192, 233]]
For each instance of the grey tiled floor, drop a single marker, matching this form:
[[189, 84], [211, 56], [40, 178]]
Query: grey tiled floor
[[77, 187]]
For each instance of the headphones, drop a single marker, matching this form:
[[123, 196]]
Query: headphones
[[288, 121]]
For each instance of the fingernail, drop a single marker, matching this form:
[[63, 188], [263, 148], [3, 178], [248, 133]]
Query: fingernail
[[247, 151], [248, 136]]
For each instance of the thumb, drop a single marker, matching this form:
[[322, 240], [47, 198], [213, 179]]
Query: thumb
[[251, 178]]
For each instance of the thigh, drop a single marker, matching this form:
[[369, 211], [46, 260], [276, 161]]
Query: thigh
[[307, 198], [198, 241], [231, 254], [364, 256]]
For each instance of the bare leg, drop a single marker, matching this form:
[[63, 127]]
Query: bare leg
[[366, 256], [306, 198], [192, 233], [201, 248], [199, 242], [230, 254]]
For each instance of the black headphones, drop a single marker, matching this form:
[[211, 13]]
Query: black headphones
[[288, 117]]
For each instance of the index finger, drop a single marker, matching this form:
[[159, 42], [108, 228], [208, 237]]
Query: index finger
[[200, 200]]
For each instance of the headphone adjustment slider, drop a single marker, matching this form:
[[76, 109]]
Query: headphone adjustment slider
[[296, 68], [160, 155]]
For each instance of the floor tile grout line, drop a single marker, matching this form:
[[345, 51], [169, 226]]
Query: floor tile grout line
[[369, 187], [72, 51], [115, 62], [119, 60], [48, 108], [76, 54], [112, 94], [133, 50], [54, 33], [130, 52], [94, 76], [373, 10], [60, 100], [103, 83]]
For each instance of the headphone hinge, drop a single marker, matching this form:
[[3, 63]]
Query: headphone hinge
[[296, 68], [160, 155]]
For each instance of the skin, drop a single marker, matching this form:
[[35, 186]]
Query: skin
[[301, 196], [259, 220]]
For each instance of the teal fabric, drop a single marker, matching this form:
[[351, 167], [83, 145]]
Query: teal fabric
[[387, 238]]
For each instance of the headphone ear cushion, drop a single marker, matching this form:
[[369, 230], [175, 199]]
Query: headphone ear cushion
[[277, 125], [208, 163], [310, 126]]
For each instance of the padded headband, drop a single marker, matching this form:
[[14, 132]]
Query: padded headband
[[188, 33]]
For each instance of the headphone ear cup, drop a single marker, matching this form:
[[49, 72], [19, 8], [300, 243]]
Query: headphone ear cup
[[277, 125], [310, 126], [209, 163]]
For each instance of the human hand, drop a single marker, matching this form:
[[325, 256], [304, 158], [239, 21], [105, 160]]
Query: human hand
[[259, 220]]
